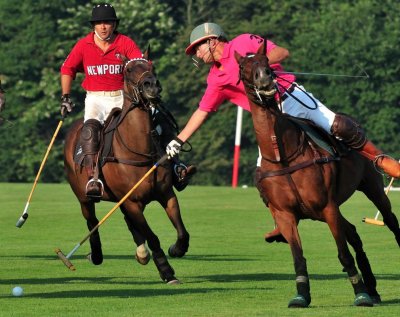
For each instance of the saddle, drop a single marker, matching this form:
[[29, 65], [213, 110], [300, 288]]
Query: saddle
[[321, 138]]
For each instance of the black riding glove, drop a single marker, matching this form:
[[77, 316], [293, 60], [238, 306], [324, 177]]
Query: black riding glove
[[66, 105]]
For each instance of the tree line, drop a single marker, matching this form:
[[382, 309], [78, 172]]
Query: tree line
[[355, 38]]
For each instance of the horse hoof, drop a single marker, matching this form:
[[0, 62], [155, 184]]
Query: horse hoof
[[174, 281], [363, 299], [298, 302], [174, 252], [142, 261], [142, 254]]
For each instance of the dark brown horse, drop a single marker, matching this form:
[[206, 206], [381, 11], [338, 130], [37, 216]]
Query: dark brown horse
[[299, 180], [134, 150]]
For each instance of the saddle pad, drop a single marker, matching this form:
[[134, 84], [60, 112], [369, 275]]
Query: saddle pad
[[315, 135]]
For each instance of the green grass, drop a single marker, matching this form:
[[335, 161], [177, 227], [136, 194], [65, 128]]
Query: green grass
[[228, 271]]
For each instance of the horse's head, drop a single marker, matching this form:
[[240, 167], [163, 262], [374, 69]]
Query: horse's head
[[257, 76], [140, 82]]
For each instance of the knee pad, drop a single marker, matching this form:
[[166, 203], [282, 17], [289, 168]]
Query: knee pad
[[90, 136], [349, 131]]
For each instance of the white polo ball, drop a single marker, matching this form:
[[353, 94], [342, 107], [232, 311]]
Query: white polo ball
[[17, 291]]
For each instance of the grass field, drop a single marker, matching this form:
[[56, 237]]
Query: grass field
[[228, 271]]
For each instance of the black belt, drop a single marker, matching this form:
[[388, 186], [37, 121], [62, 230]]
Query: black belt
[[288, 91]]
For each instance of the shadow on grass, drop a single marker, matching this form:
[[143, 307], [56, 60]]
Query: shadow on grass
[[76, 280], [208, 257], [128, 292]]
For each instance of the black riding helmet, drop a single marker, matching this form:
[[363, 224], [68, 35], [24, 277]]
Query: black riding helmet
[[104, 12]]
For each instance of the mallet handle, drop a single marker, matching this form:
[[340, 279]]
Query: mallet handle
[[45, 159], [24, 216]]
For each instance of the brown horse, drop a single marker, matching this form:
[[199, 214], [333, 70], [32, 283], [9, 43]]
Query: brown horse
[[299, 180], [134, 150]]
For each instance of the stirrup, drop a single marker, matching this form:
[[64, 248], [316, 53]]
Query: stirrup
[[179, 170], [182, 175], [98, 181]]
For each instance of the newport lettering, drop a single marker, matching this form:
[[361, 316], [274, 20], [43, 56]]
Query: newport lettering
[[103, 71], [94, 70]]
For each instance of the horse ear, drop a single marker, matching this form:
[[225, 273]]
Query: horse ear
[[263, 48], [238, 56], [146, 53], [123, 58]]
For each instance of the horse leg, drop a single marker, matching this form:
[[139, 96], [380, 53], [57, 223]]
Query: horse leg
[[134, 211], [142, 254], [288, 225], [336, 225], [181, 246], [362, 261], [88, 212], [373, 189]]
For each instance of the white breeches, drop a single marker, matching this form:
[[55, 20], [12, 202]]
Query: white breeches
[[98, 106]]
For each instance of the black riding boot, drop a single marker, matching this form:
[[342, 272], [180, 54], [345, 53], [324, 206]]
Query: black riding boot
[[167, 131], [90, 137]]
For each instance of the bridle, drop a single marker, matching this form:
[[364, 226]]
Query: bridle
[[136, 90], [258, 95]]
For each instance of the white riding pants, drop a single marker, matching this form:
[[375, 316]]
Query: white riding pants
[[98, 104], [319, 113]]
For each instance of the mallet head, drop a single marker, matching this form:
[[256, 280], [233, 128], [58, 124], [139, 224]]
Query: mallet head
[[373, 221], [21, 220], [64, 259]]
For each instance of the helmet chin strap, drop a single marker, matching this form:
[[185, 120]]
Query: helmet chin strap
[[101, 39], [212, 52]]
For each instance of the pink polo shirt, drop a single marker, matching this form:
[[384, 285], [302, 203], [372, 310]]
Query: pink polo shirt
[[103, 70], [222, 84]]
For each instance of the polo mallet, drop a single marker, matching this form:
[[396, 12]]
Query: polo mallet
[[66, 258], [375, 221], [24, 216]]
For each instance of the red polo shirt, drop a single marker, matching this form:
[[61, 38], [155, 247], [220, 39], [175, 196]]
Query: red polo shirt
[[103, 70]]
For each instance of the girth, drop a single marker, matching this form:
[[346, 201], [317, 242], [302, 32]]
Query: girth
[[291, 169]]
